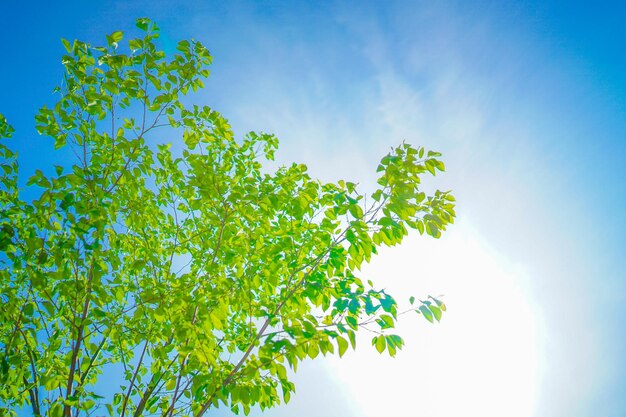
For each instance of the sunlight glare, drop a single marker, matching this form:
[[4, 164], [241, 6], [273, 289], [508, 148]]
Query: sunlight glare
[[480, 360]]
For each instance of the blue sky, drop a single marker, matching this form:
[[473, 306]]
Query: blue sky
[[527, 102]]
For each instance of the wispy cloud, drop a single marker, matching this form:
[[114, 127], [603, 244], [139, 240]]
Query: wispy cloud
[[515, 276]]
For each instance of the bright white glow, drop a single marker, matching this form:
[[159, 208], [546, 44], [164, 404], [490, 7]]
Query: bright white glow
[[482, 359]]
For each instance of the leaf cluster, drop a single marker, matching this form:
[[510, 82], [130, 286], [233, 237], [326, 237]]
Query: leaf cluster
[[189, 268]]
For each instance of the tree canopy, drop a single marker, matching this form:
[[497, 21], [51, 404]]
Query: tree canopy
[[184, 272]]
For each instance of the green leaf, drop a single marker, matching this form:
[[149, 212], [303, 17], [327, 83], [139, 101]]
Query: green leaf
[[170, 384], [352, 337], [56, 410], [67, 45], [380, 343], [342, 345], [436, 312], [29, 309], [395, 341], [386, 322], [388, 304], [428, 315], [142, 23], [88, 405], [313, 350], [116, 36]]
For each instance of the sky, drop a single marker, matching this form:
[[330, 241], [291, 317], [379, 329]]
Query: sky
[[527, 102]]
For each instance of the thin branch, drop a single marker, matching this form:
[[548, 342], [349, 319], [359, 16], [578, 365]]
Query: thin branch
[[76, 347], [132, 381]]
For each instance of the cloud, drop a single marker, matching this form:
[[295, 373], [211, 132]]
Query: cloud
[[467, 88]]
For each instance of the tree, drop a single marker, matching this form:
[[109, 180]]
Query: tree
[[191, 270]]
